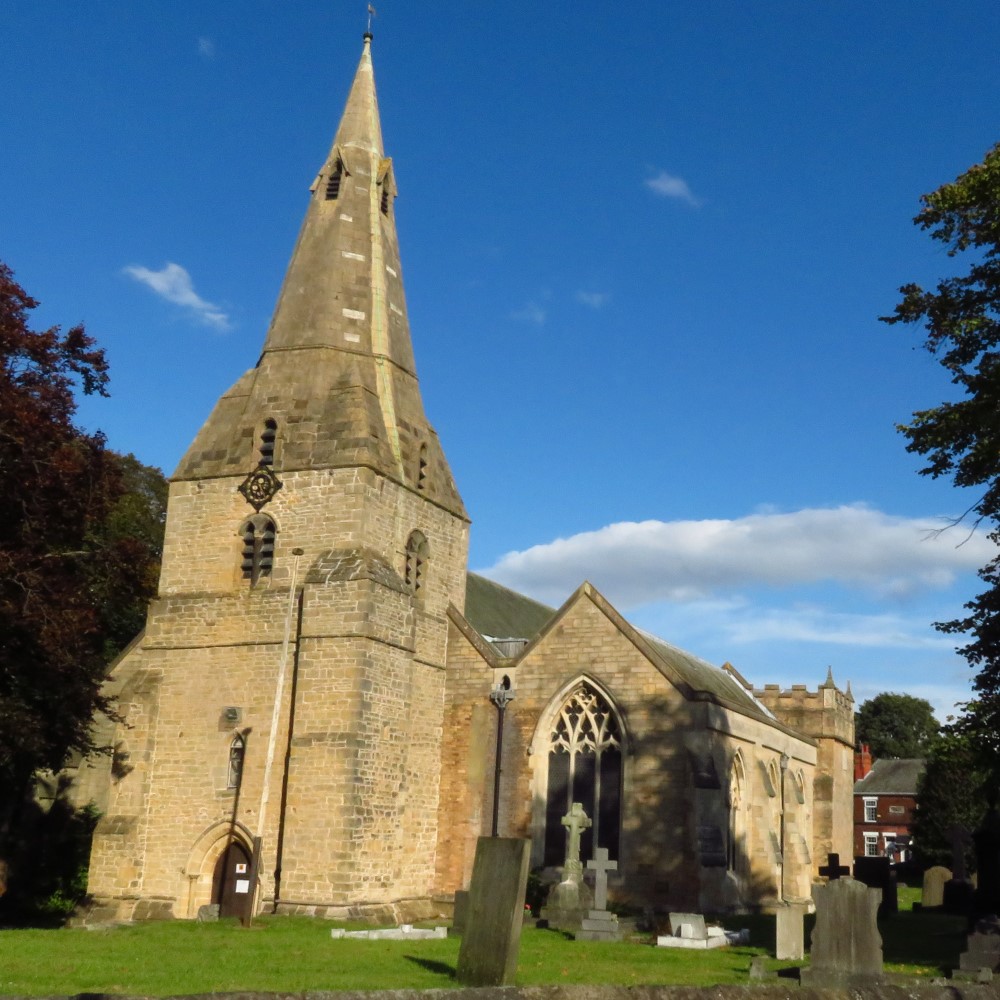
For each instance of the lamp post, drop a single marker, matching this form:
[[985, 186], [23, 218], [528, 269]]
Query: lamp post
[[783, 763], [501, 696]]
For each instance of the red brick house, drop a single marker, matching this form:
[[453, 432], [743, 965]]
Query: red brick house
[[885, 800]]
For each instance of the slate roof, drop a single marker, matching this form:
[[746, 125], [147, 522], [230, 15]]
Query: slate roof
[[496, 612], [891, 776]]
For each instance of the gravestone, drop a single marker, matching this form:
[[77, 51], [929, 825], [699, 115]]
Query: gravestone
[[600, 924], [570, 900], [688, 930], [878, 873], [492, 937], [987, 843], [933, 887], [789, 933], [846, 945], [983, 947], [460, 913], [833, 869]]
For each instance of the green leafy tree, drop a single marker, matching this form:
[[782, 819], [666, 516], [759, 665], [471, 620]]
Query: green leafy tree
[[896, 725], [79, 550], [961, 438], [951, 793]]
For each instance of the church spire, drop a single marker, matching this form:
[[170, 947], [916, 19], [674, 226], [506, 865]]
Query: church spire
[[337, 372]]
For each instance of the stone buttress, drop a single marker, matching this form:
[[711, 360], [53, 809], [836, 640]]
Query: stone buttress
[[323, 587]]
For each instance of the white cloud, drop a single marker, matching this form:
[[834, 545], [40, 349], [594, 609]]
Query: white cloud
[[595, 300], [532, 312], [668, 186], [636, 563], [206, 48], [174, 284]]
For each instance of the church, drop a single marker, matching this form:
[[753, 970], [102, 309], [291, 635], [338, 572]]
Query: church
[[325, 709]]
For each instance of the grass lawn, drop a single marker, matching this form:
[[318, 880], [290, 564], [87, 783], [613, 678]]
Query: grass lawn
[[292, 954]]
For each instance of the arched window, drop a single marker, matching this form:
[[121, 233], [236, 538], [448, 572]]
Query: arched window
[[258, 547], [333, 181], [736, 849], [237, 750], [585, 766], [417, 553], [268, 436]]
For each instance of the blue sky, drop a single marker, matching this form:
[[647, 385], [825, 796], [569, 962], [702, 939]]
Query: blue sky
[[645, 249]]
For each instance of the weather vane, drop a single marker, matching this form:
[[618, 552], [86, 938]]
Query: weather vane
[[371, 14]]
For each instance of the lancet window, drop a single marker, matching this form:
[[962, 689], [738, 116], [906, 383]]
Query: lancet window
[[268, 437], [237, 751], [258, 548], [736, 847], [585, 766], [417, 553], [333, 181]]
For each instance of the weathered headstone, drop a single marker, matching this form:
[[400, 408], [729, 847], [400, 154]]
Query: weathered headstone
[[789, 933], [460, 914], [933, 887], [208, 913], [570, 900], [878, 873], [987, 841], [600, 924], [688, 930], [492, 938], [983, 947], [846, 945]]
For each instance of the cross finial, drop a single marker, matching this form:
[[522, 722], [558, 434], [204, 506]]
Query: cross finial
[[371, 14]]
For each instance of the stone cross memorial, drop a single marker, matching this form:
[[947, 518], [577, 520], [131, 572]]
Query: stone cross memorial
[[570, 900], [492, 937], [600, 924]]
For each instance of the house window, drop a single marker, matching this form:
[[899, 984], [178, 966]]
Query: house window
[[237, 750], [871, 810], [585, 766], [888, 843], [258, 548], [267, 438], [333, 182], [871, 845], [417, 551]]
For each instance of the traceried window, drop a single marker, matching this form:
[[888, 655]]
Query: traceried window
[[258, 548], [333, 181], [268, 436], [237, 750], [871, 810], [415, 570], [585, 766]]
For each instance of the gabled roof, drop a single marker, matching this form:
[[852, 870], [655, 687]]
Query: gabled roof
[[891, 776], [497, 612]]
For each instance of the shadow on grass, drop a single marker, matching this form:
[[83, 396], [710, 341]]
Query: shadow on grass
[[431, 965], [923, 939]]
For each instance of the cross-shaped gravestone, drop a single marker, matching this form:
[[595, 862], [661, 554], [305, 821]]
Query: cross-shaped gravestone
[[601, 866], [575, 821], [833, 869]]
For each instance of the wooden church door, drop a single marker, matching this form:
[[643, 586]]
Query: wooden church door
[[231, 882]]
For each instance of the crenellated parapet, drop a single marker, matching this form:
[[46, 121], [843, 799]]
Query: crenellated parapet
[[826, 713]]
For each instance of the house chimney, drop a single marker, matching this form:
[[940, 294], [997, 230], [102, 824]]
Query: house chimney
[[862, 761]]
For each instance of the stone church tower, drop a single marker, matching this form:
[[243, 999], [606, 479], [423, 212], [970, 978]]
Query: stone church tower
[[287, 692]]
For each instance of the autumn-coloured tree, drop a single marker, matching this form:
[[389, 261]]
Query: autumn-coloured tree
[[77, 559]]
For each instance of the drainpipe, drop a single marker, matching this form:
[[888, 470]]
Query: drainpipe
[[501, 696]]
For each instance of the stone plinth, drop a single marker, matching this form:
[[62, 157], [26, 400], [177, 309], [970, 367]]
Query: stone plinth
[[789, 937]]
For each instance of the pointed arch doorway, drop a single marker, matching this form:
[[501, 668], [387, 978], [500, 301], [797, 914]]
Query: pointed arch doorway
[[585, 766], [231, 880]]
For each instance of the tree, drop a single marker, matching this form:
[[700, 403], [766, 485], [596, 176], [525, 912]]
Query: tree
[[950, 794], [896, 725], [74, 569], [961, 439]]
